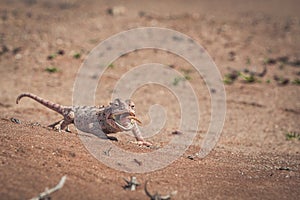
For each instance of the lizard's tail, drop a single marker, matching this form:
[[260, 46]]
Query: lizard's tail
[[53, 106]]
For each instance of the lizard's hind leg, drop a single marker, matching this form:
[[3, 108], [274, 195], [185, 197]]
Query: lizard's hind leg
[[60, 125], [64, 123]]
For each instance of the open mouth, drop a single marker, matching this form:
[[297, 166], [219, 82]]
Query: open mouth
[[125, 121]]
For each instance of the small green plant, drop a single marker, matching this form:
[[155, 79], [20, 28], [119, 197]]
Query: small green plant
[[227, 79], [296, 81], [187, 77], [52, 56], [77, 55], [111, 66], [247, 78], [186, 73], [270, 61], [176, 81], [292, 135], [268, 81], [51, 69], [231, 77]]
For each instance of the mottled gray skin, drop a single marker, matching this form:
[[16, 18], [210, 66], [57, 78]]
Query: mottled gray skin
[[116, 117]]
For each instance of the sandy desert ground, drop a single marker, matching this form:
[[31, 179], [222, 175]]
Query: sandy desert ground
[[43, 44]]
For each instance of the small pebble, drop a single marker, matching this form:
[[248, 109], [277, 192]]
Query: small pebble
[[177, 132], [60, 52], [117, 10], [18, 56]]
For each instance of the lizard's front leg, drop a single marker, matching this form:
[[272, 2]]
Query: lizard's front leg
[[138, 135], [57, 125], [60, 125], [68, 119]]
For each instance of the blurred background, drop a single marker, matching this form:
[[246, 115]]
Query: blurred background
[[255, 45]]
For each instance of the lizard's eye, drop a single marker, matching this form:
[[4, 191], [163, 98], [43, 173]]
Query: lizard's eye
[[132, 106]]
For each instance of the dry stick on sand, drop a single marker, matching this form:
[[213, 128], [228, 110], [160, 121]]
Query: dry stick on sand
[[131, 184], [47, 192], [157, 196]]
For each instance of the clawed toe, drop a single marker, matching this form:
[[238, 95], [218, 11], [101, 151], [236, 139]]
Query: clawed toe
[[60, 126], [143, 143], [68, 129]]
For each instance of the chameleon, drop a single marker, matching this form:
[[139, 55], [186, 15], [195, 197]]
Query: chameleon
[[116, 117]]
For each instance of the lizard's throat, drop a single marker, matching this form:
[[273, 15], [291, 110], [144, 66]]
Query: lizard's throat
[[125, 121]]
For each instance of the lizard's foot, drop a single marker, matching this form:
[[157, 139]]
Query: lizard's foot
[[143, 143], [59, 129], [60, 126], [56, 126], [68, 129]]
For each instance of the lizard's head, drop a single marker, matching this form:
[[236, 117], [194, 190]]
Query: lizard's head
[[122, 114]]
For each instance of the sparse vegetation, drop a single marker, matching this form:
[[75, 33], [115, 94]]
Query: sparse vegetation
[[231, 77], [247, 78], [76, 55], [186, 74], [187, 77], [176, 80], [51, 69], [227, 79], [111, 66], [179, 79], [281, 80], [296, 81], [270, 61], [52, 56], [254, 123], [292, 135]]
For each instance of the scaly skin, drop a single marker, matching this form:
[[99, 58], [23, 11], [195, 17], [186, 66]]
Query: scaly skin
[[116, 117]]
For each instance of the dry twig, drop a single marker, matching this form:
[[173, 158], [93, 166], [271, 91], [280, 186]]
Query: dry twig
[[157, 196], [132, 184], [45, 195]]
